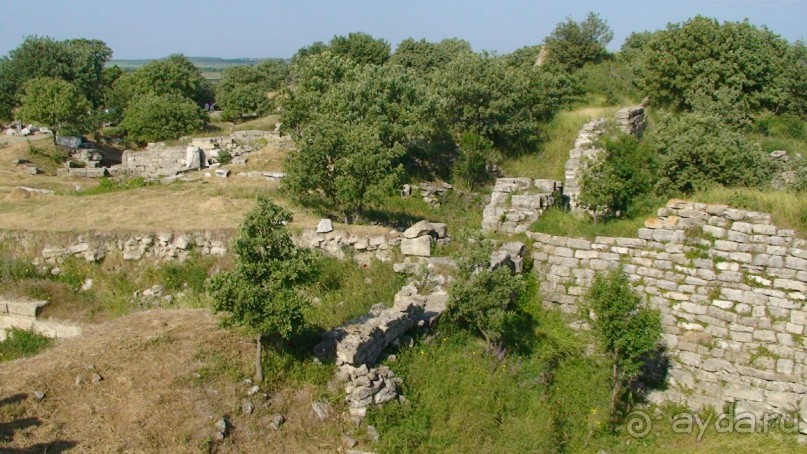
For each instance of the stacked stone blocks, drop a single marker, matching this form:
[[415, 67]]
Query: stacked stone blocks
[[732, 291]]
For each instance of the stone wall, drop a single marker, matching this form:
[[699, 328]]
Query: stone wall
[[23, 315], [518, 202], [731, 288], [583, 150], [158, 160]]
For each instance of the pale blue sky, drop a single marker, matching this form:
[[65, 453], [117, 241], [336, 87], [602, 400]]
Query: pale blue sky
[[256, 28]]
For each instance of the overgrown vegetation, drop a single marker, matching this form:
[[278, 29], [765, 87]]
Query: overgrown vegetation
[[20, 343]]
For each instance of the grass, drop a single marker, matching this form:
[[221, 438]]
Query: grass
[[21, 343], [107, 185], [558, 138], [563, 223]]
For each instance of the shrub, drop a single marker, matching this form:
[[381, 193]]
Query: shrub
[[626, 329], [21, 343], [698, 151], [475, 158], [151, 117], [624, 173]]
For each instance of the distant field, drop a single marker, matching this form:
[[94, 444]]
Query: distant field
[[211, 67]]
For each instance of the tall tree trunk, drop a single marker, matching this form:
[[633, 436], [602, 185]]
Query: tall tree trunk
[[258, 359]]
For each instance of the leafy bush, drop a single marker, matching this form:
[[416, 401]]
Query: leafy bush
[[625, 172], [627, 330], [106, 185], [151, 118], [21, 343], [698, 151], [732, 69], [474, 161], [484, 300], [573, 44]]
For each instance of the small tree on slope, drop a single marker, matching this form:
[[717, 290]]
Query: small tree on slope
[[260, 295], [627, 330]]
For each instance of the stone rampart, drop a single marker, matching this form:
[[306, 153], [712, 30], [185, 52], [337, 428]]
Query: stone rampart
[[732, 291]]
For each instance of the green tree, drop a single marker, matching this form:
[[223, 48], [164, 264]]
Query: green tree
[[627, 330], [624, 172], [361, 48], [243, 101], [174, 74], [261, 294], [697, 151], [79, 61], [56, 104], [344, 167], [573, 44], [482, 300], [475, 158], [734, 68], [423, 56], [152, 117]]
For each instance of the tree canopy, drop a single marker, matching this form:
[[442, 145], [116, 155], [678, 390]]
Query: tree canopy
[[261, 294], [572, 44], [55, 103], [153, 117]]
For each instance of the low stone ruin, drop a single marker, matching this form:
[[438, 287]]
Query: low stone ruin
[[518, 202], [357, 345], [93, 247], [23, 315], [342, 245], [631, 120], [511, 255], [432, 192], [417, 240], [584, 150]]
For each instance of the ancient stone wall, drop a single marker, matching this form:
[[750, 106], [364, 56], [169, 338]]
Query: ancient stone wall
[[731, 288], [158, 160], [23, 315], [518, 202]]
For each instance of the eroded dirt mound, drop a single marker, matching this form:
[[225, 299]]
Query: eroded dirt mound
[[155, 381]]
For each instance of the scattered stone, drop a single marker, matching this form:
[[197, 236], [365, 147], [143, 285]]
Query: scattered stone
[[372, 433], [322, 410], [406, 191], [39, 395], [222, 173], [779, 154], [253, 390], [349, 441], [96, 378], [55, 271], [325, 226], [78, 381], [222, 429], [247, 408], [87, 285], [420, 247], [276, 421], [32, 170]]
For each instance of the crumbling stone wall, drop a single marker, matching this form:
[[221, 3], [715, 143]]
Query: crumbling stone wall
[[518, 202], [731, 288], [158, 160]]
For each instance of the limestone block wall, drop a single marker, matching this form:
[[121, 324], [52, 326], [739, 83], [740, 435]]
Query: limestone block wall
[[157, 160], [732, 291], [583, 150], [518, 202]]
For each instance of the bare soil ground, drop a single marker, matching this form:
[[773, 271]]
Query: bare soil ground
[[168, 377], [203, 203]]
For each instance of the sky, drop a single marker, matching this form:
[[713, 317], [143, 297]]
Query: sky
[[271, 28]]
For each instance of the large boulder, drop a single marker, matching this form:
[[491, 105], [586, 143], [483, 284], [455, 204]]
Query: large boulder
[[426, 228], [420, 246], [325, 226]]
